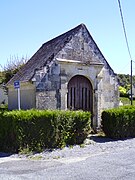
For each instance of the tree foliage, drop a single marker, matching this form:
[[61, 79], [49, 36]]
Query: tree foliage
[[125, 81], [11, 68], [125, 84], [122, 91]]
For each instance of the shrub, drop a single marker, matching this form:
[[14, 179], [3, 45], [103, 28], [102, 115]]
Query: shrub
[[39, 129], [3, 107], [119, 122]]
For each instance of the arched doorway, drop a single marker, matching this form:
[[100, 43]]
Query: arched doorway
[[80, 94]]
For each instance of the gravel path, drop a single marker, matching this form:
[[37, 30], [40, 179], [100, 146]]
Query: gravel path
[[100, 158], [93, 146]]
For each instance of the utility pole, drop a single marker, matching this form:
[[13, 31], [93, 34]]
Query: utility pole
[[131, 84], [124, 29]]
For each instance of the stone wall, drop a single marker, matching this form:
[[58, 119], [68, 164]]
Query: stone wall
[[77, 58], [3, 96], [46, 100], [108, 94]]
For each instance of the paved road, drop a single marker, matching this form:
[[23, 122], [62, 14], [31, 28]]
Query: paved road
[[107, 165]]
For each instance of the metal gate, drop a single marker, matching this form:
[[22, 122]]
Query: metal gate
[[80, 94]]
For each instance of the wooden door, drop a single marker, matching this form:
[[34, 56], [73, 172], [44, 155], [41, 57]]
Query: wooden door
[[80, 94]]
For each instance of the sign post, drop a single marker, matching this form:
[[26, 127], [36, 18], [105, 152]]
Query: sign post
[[17, 86]]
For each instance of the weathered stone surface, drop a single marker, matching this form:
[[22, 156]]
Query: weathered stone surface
[[72, 54]]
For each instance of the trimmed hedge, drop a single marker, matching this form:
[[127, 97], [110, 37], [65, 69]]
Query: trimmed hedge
[[119, 122], [39, 129]]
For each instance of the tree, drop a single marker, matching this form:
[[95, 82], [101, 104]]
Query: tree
[[125, 80], [11, 68], [123, 91]]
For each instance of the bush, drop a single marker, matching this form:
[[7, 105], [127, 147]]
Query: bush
[[3, 107], [119, 122], [39, 129]]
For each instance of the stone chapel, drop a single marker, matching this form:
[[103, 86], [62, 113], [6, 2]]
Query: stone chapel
[[67, 72]]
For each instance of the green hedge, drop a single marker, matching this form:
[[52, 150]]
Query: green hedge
[[119, 122], [39, 129]]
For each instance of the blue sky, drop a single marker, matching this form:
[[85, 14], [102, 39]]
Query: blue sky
[[26, 24]]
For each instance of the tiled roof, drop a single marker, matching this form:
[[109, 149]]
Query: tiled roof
[[48, 51]]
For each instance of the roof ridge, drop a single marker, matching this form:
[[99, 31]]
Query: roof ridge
[[51, 48], [65, 33]]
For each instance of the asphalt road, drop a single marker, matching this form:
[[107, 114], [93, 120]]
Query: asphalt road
[[118, 165]]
